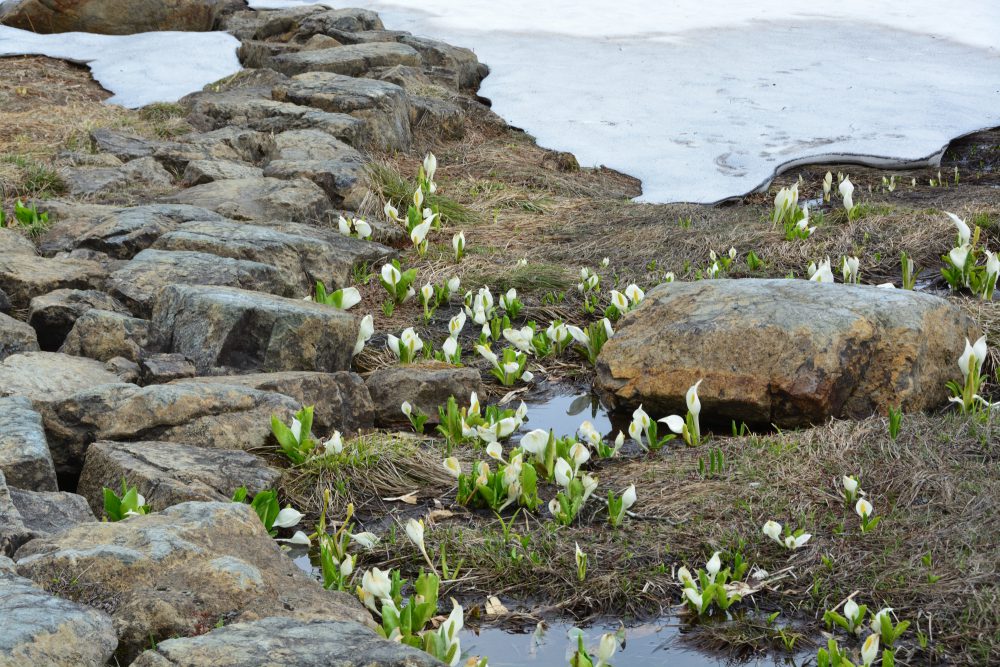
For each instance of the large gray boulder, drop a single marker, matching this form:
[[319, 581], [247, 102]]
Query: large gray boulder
[[46, 513], [24, 451], [383, 106], [304, 254], [112, 17], [125, 232], [104, 335], [175, 573], [144, 174], [426, 386], [335, 21], [42, 629], [299, 644], [13, 242], [50, 375], [783, 352], [209, 415], [53, 315], [258, 199], [223, 327], [455, 66], [324, 160], [350, 60], [341, 400], [16, 337], [23, 277], [199, 172], [253, 108], [170, 473], [139, 282]]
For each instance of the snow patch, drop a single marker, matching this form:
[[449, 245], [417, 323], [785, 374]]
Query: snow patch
[[139, 69]]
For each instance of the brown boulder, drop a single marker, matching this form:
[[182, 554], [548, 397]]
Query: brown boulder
[[113, 17]]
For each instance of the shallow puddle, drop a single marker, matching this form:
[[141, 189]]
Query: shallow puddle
[[564, 414], [645, 645]]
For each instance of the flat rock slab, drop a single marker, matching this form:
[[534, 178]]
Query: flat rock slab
[[24, 451], [783, 352], [199, 172], [341, 400], [145, 173], [298, 643], [42, 629], [23, 277], [13, 242], [259, 199], [104, 335], [254, 109], [326, 161], [170, 473], [351, 60], [425, 386], [138, 283], [304, 254], [46, 513], [124, 232], [166, 367], [222, 327], [175, 573], [208, 415], [53, 315], [16, 337], [50, 375], [383, 106]]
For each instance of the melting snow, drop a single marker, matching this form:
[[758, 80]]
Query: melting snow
[[138, 69]]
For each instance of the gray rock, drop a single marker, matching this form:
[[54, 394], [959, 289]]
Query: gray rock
[[53, 315], [220, 416], [257, 25], [177, 572], [222, 327], [122, 145], [341, 400], [300, 644], [49, 375], [126, 370], [104, 335], [24, 451], [258, 54], [7, 566], [143, 174], [253, 108], [42, 629], [199, 172], [46, 513], [457, 66], [783, 352], [249, 145], [425, 386], [162, 368], [328, 162], [333, 21], [142, 279], [16, 337], [382, 106], [304, 254], [351, 60], [169, 473], [13, 532], [13, 242], [127, 231], [68, 220], [23, 277], [436, 117], [259, 199], [5, 306], [77, 159]]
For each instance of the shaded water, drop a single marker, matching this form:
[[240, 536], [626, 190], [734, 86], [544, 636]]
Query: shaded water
[[656, 643]]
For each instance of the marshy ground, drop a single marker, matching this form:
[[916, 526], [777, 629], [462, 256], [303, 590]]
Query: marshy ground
[[935, 555]]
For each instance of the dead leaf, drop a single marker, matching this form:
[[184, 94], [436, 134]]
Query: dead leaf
[[494, 607], [434, 515], [410, 498]]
